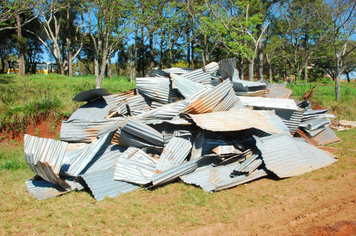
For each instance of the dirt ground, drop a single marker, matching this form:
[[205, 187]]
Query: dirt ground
[[311, 208]]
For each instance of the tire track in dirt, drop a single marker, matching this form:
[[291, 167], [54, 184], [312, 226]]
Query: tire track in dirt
[[325, 214]]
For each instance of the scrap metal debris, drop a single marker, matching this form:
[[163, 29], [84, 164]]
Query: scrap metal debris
[[205, 127]]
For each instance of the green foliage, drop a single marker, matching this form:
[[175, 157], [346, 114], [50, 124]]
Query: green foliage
[[324, 96], [28, 99]]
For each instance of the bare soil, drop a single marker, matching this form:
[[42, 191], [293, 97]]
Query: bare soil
[[309, 207]]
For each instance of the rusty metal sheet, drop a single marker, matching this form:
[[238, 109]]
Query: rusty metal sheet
[[311, 141], [210, 100], [225, 121], [84, 131], [326, 137]]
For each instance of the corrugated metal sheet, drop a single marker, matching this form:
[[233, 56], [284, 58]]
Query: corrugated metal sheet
[[166, 112], [158, 89], [326, 137], [155, 104], [227, 67], [208, 102], [201, 177], [248, 166], [142, 132], [201, 76], [41, 189], [293, 121], [314, 123], [156, 72], [227, 102], [90, 95], [174, 173], [106, 158], [226, 121], [279, 92], [313, 114], [287, 157], [77, 165], [135, 166], [83, 131], [241, 179], [186, 86], [248, 86], [174, 153], [45, 158], [138, 104], [178, 71], [212, 179], [272, 103], [93, 110], [102, 184]]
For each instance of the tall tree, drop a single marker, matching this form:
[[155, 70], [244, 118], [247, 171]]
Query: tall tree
[[342, 26], [109, 23], [231, 23], [302, 32]]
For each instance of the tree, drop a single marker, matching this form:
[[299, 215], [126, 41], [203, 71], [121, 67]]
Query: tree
[[109, 23], [58, 20], [342, 26], [302, 32], [9, 10], [230, 23]]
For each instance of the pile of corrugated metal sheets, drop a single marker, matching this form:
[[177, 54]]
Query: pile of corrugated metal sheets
[[198, 126]]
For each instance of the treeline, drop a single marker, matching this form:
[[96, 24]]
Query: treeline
[[272, 39]]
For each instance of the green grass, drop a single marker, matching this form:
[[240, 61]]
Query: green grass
[[26, 99], [324, 95]]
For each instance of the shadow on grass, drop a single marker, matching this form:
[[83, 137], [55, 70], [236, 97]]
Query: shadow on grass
[[5, 80]]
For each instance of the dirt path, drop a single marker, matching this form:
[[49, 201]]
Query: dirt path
[[308, 206]]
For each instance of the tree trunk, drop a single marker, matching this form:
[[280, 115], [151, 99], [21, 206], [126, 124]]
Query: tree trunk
[[2, 65], [70, 62], [306, 72], [188, 48], [22, 51], [348, 76], [152, 52], [337, 79], [134, 61], [143, 52], [269, 69], [241, 69], [250, 69], [260, 62], [192, 52], [161, 51]]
